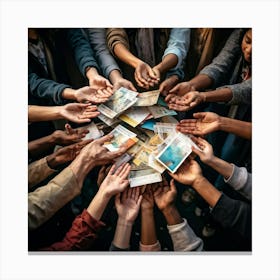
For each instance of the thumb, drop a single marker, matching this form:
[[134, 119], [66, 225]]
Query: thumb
[[199, 115], [172, 185], [197, 152], [104, 139], [139, 200]]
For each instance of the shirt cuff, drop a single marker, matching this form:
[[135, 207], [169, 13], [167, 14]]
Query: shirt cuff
[[150, 248]]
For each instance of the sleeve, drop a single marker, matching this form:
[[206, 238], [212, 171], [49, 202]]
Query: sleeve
[[183, 237], [82, 50], [97, 39], [221, 67], [234, 214], [45, 88], [115, 248], [178, 44], [38, 171], [45, 201], [241, 93], [241, 181], [81, 236], [115, 36], [150, 248]]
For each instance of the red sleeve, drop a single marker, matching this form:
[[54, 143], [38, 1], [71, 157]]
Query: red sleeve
[[81, 235]]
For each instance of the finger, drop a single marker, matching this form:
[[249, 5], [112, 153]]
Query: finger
[[136, 193], [190, 122], [175, 89], [104, 139], [197, 152], [131, 87], [69, 129], [172, 185], [112, 169], [125, 171], [199, 115], [118, 199], [169, 97], [139, 201]]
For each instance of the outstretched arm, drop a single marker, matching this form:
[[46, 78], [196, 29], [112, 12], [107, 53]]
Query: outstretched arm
[[149, 240], [127, 205]]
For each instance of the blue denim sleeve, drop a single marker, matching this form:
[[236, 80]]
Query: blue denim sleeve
[[97, 39], [81, 49], [48, 89]]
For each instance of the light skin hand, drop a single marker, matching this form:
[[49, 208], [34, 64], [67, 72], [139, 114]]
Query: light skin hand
[[104, 170], [188, 173], [165, 195], [204, 123], [121, 82], [128, 204], [92, 95], [116, 180], [206, 154], [79, 113]]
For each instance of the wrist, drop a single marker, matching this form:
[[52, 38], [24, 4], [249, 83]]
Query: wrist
[[123, 222], [51, 161], [147, 210], [115, 76], [203, 96], [198, 182], [69, 94], [172, 215], [91, 72]]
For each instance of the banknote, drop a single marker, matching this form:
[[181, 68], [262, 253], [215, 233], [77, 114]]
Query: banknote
[[147, 98], [159, 111], [143, 177]]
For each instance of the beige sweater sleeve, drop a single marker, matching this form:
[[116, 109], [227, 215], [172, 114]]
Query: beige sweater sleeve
[[45, 201], [38, 171]]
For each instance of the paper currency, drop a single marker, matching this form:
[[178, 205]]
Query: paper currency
[[120, 101], [107, 120], [143, 177], [147, 98], [122, 136], [165, 129], [159, 111], [94, 132], [175, 152], [134, 116]]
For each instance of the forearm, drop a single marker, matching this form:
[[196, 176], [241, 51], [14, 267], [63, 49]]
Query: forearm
[[168, 62], [69, 94], [44, 113], [114, 76], [222, 167], [218, 95], [201, 82], [81, 166], [125, 55], [240, 128], [207, 191], [148, 230], [122, 234], [98, 205], [39, 146], [172, 215]]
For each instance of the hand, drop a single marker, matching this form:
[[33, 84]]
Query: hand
[[99, 83], [116, 180], [206, 155], [165, 195], [65, 154], [148, 199], [69, 136], [79, 113], [168, 84], [144, 75], [187, 173], [128, 204], [204, 123], [186, 102], [182, 89], [104, 170], [96, 154], [89, 94], [121, 82]]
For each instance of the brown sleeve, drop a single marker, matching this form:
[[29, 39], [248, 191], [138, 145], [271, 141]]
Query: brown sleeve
[[116, 36]]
